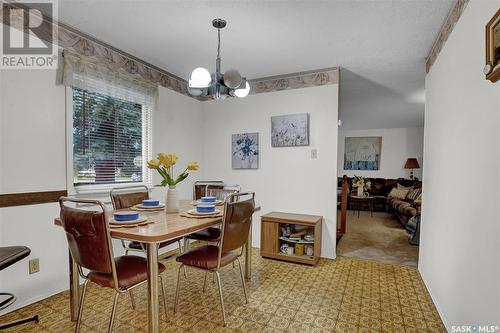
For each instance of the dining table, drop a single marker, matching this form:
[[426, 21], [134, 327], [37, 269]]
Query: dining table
[[162, 227]]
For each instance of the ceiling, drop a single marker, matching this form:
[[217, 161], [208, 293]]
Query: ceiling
[[380, 45]]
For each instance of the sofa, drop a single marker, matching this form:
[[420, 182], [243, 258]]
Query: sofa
[[406, 208], [403, 209]]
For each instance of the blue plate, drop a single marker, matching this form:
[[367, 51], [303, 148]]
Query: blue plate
[[205, 208], [150, 203], [126, 216], [208, 199]]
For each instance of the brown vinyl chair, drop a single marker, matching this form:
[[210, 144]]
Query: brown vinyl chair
[[220, 191], [234, 234], [126, 197], [89, 242]]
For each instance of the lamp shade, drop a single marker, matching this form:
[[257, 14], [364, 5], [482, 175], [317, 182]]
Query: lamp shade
[[412, 163]]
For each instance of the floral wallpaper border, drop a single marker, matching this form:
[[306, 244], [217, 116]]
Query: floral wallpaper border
[[452, 19], [114, 59]]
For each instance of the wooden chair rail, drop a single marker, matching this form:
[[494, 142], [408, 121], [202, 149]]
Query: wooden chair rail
[[30, 198]]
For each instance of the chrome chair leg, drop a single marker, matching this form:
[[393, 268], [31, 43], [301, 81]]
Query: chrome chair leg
[[113, 311], [132, 299], [80, 309], [205, 281], [126, 252], [221, 298], [164, 292], [177, 288], [242, 280]]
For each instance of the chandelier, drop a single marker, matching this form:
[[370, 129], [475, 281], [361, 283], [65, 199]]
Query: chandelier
[[217, 85]]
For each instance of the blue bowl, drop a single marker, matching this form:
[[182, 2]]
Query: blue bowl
[[126, 216], [208, 199], [205, 208], [150, 203]]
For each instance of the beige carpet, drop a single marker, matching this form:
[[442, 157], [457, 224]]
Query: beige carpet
[[380, 238]]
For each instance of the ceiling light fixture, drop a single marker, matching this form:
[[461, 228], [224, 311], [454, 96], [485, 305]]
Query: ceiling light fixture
[[217, 85]]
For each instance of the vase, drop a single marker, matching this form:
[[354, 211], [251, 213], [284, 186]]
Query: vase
[[172, 201], [360, 191]]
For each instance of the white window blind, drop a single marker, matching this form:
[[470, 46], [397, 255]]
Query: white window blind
[[111, 123], [111, 139]]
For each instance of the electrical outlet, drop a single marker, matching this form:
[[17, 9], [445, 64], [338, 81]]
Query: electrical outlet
[[34, 265]]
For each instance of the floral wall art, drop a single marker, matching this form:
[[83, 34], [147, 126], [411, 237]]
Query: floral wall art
[[290, 130], [245, 151]]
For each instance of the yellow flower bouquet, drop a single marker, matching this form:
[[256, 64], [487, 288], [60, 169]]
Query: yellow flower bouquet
[[164, 164]]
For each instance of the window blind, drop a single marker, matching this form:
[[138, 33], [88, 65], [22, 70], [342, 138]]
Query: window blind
[[111, 139]]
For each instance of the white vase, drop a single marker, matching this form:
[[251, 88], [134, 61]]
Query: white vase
[[360, 191], [172, 201]]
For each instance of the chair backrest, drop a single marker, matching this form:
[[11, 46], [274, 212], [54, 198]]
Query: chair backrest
[[88, 236], [237, 220], [224, 192], [126, 197], [201, 187]]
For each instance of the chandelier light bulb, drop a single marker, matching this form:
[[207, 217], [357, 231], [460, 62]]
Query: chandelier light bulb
[[243, 92], [200, 78], [232, 78]]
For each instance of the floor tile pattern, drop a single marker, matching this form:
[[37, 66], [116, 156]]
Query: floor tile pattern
[[343, 295]]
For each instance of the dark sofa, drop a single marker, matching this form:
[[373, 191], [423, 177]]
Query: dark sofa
[[380, 189]]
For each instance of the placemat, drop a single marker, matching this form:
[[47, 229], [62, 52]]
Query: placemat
[[217, 203], [147, 209], [186, 214], [139, 224]]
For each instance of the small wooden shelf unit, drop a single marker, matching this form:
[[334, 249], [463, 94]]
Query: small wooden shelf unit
[[271, 238]]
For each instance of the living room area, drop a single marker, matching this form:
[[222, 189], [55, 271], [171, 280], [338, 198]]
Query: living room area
[[380, 171]]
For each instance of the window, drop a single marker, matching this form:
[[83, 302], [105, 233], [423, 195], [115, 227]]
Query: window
[[111, 139]]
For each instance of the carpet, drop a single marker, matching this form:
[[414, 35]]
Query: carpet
[[380, 238]]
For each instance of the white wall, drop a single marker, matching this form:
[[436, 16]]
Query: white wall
[[398, 144], [287, 179], [460, 238], [32, 157]]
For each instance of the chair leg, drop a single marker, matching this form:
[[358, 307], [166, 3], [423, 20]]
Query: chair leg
[[113, 311], [126, 252], [132, 299], [80, 309], [221, 298], [205, 281], [164, 292], [242, 280], [177, 288]]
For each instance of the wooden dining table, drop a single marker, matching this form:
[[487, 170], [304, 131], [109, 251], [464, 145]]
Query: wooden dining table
[[163, 227]]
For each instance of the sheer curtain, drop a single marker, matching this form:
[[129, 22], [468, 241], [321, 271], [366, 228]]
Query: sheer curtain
[[84, 73]]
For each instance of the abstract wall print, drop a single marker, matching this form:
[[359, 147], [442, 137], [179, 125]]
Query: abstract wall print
[[290, 130], [362, 153], [245, 151]]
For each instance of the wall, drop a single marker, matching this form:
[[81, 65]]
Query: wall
[[397, 145], [460, 236], [287, 179], [32, 157]]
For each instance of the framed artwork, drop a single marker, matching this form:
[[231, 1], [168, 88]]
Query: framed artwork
[[245, 151], [362, 153], [290, 130], [492, 67]]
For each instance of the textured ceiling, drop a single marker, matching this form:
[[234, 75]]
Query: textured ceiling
[[380, 45]]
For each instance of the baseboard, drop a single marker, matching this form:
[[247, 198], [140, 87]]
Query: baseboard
[[436, 304]]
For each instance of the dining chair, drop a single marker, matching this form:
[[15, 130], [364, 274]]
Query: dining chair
[[234, 235], [129, 196], [89, 242], [212, 234]]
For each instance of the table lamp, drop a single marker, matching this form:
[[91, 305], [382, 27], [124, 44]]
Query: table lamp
[[411, 164]]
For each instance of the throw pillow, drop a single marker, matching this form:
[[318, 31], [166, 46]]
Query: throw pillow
[[401, 187], [399, 193], [413, 194]]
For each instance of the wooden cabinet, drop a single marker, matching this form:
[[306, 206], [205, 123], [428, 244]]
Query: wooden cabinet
[[274, 227]]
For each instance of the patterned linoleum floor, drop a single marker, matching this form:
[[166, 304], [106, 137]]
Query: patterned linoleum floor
[[343, 295]]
